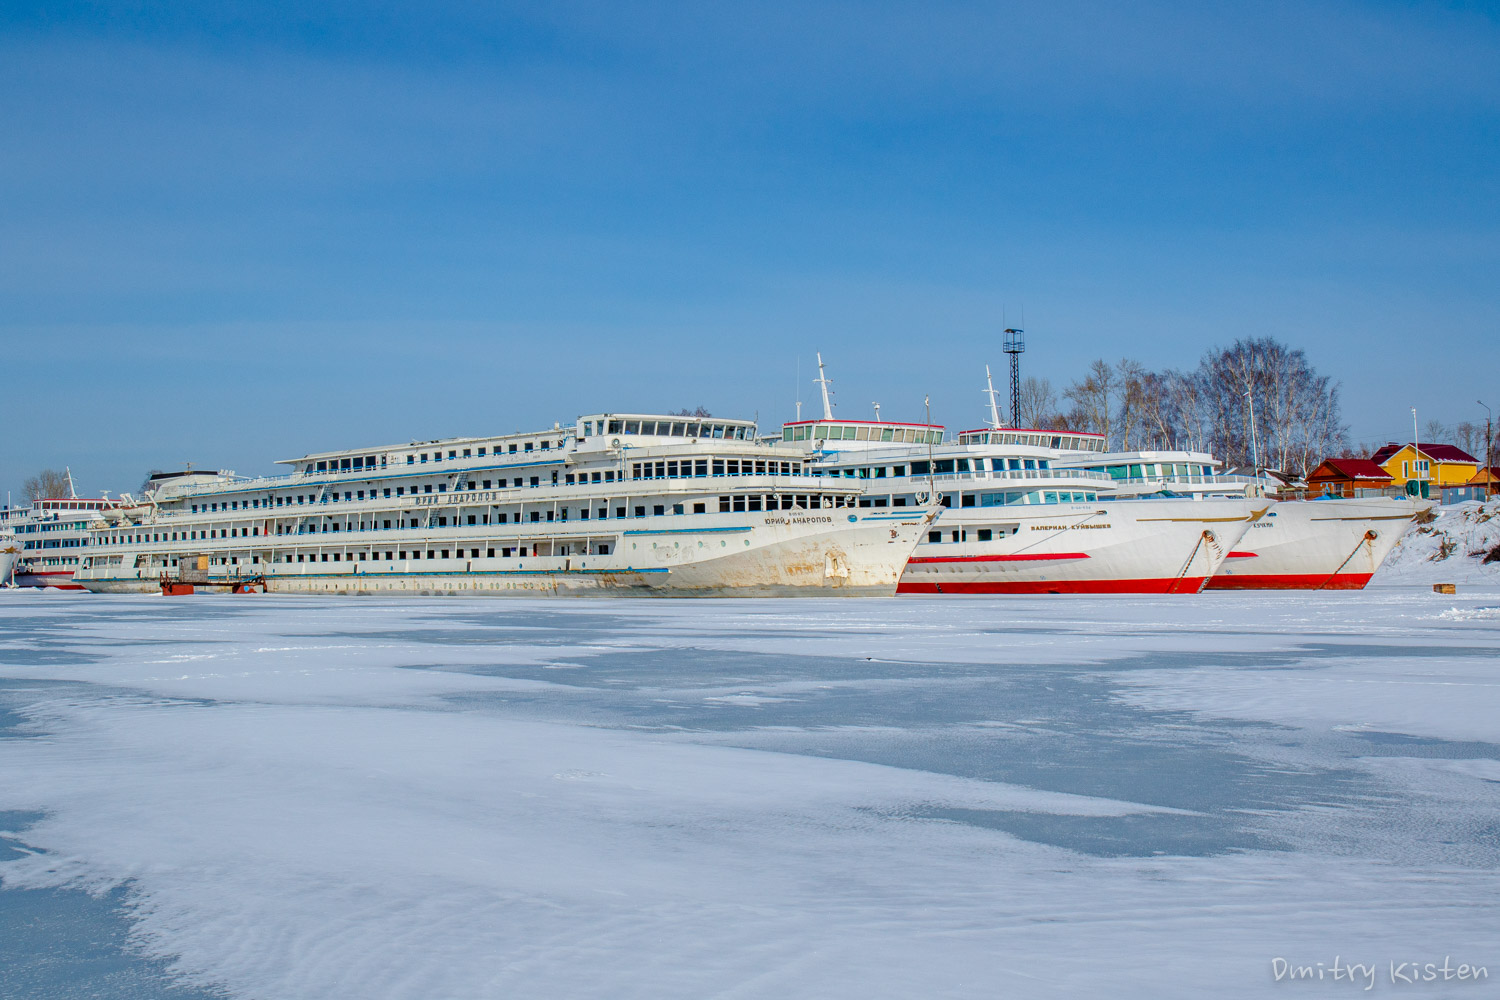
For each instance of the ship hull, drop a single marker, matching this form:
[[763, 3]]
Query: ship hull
[[57, 579], [836, 553], [1317, 545], [1153, 546]]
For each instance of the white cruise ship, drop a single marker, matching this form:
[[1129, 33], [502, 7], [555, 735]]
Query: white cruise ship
[[52, 537], [633, 504], [1014, 523], [1328, 543]]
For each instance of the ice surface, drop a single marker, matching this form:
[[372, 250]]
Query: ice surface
[[1037, 797]]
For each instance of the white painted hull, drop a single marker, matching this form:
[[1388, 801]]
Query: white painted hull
[[1317, 545], [1152, 546], [842, 552]]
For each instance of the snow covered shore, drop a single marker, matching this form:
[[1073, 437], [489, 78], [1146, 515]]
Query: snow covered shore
[[1461, 545]]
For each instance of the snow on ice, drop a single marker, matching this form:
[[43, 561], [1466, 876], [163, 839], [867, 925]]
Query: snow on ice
[[1038, 797]]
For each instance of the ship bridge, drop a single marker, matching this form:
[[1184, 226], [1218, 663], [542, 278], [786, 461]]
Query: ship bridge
[[1035, 438], [852, 434]]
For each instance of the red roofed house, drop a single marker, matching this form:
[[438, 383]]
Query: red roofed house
[[1349, 477], [1430, 466]]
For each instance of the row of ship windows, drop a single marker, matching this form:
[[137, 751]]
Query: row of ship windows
[[726, 504], [941, 466], [854, 432], [358, 462], [504, 552], [1012, 498], [334, 497], [693, 468], [1153, 469], [56, 543], [670, 428], [31, 529]]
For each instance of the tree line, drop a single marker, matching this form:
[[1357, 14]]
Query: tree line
[[1256, 399]]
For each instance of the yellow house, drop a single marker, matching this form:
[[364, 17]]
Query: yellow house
[[1438, 465]]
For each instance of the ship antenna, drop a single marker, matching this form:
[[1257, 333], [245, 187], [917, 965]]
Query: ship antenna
[[824, 382], [931, 476], [989, 382], [72, 490]]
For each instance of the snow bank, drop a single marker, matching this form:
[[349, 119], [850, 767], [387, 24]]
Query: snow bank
[[1453, 548]]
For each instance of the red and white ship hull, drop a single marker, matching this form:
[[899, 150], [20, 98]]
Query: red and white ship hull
[[1317, 545], [1150, 546], [62, 579]]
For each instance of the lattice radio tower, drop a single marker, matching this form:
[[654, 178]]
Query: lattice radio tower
[[1015, 346]]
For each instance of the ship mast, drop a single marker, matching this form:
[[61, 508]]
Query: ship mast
[[990, 392], [823, 383]]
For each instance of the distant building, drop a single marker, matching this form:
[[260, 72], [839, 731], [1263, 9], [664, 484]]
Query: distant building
[[1429, 467], [1484, 483], [1349, 477]]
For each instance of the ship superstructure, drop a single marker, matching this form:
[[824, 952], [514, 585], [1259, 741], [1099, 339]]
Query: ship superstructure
[[615, 503], [51, 536], [1013, 520]]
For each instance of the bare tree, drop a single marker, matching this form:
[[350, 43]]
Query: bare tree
[[1436, 432], [1129, 385], [1470, 437], [46, 485], [1038, 404], [1092, 397], [700, 412]]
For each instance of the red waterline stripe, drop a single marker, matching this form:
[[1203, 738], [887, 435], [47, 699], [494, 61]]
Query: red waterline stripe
[[1174, 585], [1290, 581], [1242, 555]]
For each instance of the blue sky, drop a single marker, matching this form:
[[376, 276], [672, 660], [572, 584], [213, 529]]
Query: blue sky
[[232, 232]]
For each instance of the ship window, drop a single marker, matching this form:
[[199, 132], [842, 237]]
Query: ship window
[[452, 454], [699, 508], [935, 537], [723, 505], [535, 481], [583, 513], [619, 512], [1049, 497], [943, 465], [640, 512], [677, 508], [473, 519], [718, 467], [739, 504], [467, 453]]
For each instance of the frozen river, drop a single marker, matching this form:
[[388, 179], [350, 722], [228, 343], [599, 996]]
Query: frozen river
[[271, 797]]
